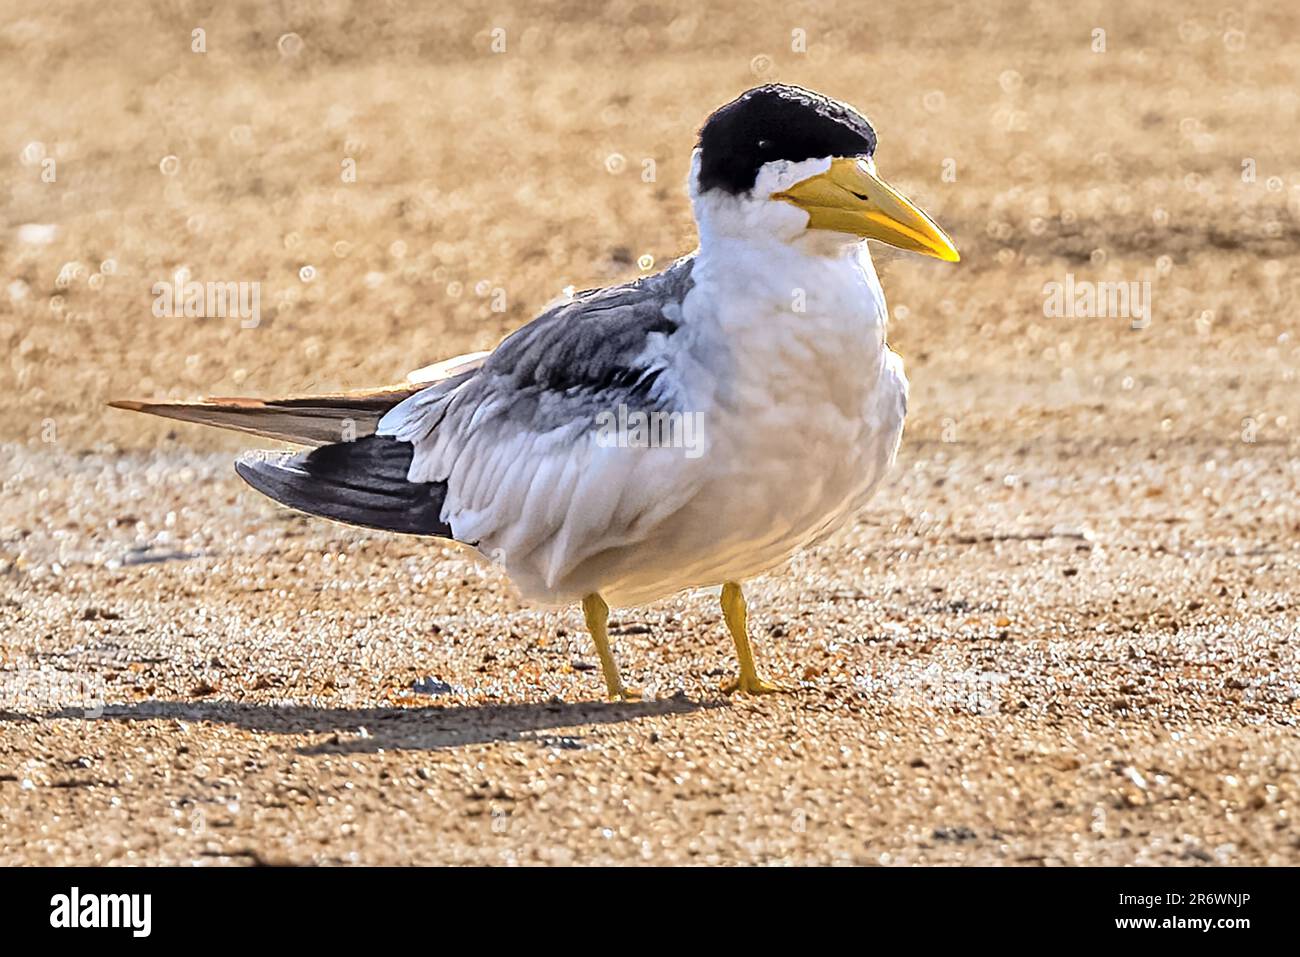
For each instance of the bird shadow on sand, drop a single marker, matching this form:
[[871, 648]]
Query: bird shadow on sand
[[368, 730]]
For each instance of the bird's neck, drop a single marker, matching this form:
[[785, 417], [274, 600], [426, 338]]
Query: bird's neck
[[760, 271], [764, 250], [818, 279]]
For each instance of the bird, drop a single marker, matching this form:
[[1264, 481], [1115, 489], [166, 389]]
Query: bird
[[690, 429]]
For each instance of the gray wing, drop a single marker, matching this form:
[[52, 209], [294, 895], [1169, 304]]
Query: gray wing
[[517, 442], [589, 351], [587, 354]]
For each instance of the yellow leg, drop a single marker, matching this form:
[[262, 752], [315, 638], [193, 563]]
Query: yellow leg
[[735, 612], [597, 612]]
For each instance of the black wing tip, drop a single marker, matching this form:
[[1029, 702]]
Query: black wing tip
[[359, 483], [259, 471]]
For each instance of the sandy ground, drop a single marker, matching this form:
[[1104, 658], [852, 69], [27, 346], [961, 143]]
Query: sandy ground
[[1063, 633]]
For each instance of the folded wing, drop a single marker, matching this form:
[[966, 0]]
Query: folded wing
[[519, 447]]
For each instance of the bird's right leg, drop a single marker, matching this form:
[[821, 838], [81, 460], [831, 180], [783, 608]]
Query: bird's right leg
[[597, 613], [736, 613]]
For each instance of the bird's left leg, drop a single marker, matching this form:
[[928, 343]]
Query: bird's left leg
[[735, 612]]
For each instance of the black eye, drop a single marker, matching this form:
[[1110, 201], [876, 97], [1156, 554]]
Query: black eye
[[765, 144]]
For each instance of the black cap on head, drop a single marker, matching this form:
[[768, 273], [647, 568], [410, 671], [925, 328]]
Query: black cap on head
[[776, 122]]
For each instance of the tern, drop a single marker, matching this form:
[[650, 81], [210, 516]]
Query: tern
[[768, 340]]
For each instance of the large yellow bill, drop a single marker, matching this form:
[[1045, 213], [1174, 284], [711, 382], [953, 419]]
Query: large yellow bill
[[850, 198]]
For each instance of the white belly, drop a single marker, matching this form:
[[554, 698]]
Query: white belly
[[785, 484]]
